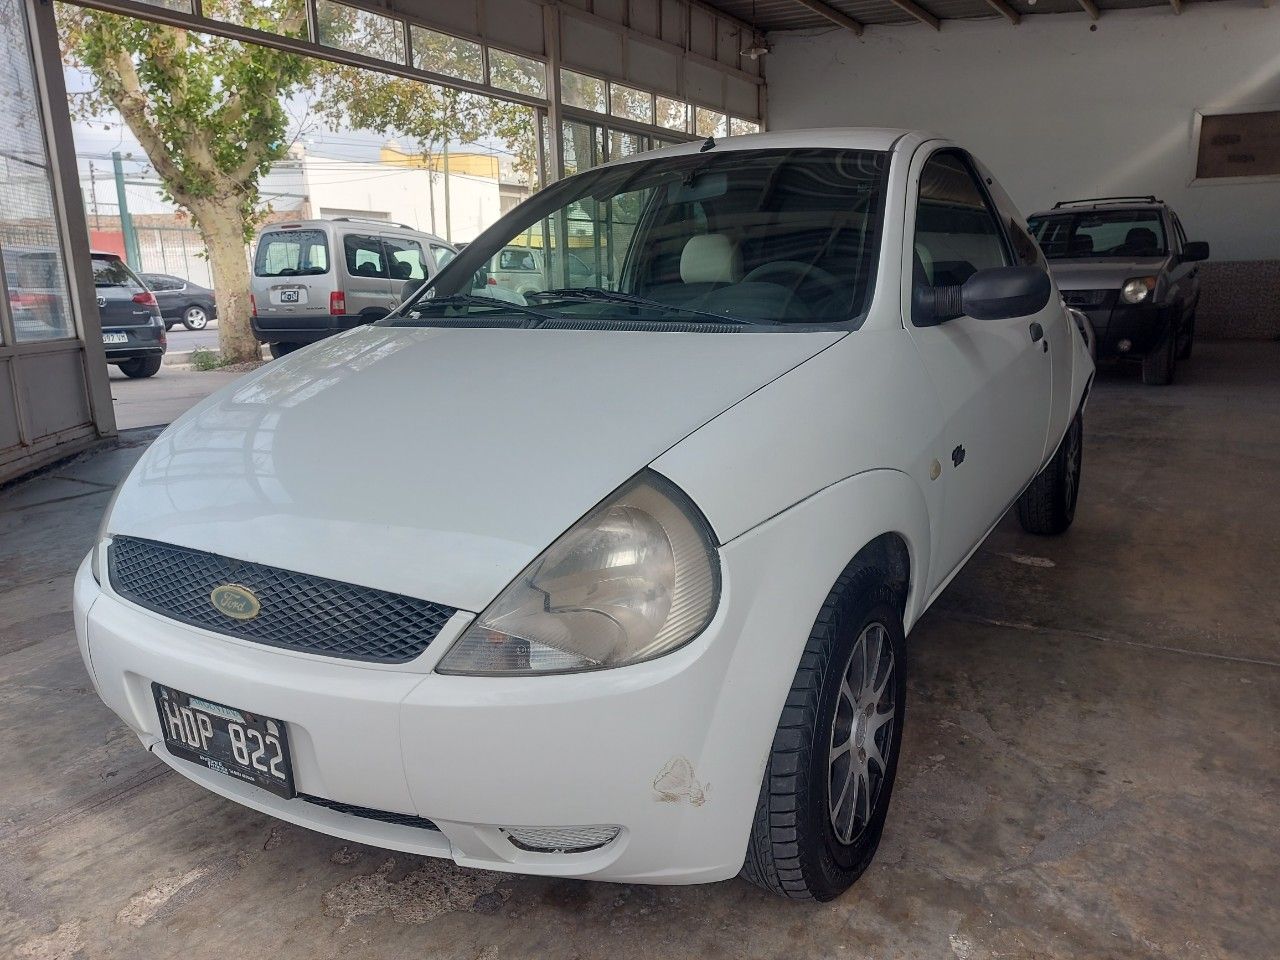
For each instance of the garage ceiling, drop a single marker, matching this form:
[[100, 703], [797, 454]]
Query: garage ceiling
[[854, 14]]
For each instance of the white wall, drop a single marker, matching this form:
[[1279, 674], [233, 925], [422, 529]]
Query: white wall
[[1057, 110]]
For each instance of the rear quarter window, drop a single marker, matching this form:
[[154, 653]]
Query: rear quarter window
[[293, 253]]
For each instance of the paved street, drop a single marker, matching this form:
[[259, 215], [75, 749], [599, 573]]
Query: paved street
[[159, 399], [182, 339]]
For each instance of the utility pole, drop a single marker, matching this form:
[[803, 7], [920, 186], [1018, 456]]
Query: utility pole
[[448, 220], [93, 195], [131, 252]]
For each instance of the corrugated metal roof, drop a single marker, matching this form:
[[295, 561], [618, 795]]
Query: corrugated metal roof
[[792, 15]]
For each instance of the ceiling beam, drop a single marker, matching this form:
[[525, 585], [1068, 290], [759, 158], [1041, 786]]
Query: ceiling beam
[[1089, 7], [834, 15], [919, 12], [1006, 11]]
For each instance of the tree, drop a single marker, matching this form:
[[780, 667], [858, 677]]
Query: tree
[[208, 112]]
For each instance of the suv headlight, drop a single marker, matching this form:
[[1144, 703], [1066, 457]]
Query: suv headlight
[[637, 577], [1137, 289]]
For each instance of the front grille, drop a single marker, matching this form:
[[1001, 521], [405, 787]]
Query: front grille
[[1086, 298], [297, 611], [383, 816]]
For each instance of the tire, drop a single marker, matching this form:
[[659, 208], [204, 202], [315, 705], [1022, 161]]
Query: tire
[[795, 849], [279, 350], [195, 317], [140, 367], [168, 325], [1184, 352], [1048, 506], [1158, 367]]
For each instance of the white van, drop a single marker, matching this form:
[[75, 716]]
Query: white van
[[315, 278]]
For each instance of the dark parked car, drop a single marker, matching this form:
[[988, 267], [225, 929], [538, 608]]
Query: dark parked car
[[182, 301], [1126, 263], [133, 332]]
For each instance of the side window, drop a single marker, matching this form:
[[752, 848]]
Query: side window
[[443, 255], [957, 233], [404, 258], [364, 256], [513, 258]]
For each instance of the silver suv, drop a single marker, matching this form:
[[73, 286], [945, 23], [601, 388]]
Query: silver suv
[[1126, 263], [315, 278]]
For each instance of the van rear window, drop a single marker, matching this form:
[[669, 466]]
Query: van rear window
[[296, 253]]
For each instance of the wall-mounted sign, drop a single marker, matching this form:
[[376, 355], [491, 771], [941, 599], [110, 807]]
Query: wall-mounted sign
[[1239, 145]]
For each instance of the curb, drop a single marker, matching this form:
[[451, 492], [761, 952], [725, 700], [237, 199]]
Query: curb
[[183, 357]]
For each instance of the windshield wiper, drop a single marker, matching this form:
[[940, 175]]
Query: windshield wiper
[[597, 294], [468, 300]]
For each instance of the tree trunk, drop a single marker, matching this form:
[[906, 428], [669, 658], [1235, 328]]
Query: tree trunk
[[222, 227]]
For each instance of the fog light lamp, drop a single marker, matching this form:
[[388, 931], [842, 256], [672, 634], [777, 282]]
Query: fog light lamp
[[1124, 346], [561, 839]]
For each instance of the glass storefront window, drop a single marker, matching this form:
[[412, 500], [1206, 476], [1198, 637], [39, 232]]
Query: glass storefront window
[[442, 53], [582, 147], [739, 127], [579, 90], [623, 144], [510, 71], [360, 31], [31, 250]]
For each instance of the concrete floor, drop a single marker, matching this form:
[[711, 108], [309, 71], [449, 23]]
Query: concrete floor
[[160, 399], [1089, 770]]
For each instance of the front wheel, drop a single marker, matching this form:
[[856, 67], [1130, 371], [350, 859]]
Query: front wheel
[[140, 367], [1184, 352], [195, 318], [831, 768], [1158, 367], [279, 350], [1048, 506]]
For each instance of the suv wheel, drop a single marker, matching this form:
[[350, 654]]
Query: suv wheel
[[831, 768], [278, 350], [1158, 366]]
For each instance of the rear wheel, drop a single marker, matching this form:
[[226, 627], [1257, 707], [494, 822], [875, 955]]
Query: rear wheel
[[1158, 366], [1048, 506], [1184, 352], [140, 367], [195, 318], [831, 768], [278, 350]]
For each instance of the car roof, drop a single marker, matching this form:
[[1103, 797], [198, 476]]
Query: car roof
[[377, 226], [835, 138]]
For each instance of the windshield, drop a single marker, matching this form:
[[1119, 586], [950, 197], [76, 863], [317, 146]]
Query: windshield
[[778, 238], [295, 253], [1100, 233]]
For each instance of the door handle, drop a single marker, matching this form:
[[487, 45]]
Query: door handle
[[1037, 332]]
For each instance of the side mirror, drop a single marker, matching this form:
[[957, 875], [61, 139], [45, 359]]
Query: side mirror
[[1195, 250], [999, 293]]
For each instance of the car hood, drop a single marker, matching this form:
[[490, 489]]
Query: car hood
[[1102, 273], [435, 463]]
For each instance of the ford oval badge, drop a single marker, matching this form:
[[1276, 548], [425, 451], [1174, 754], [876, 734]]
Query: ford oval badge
[[234, 601]]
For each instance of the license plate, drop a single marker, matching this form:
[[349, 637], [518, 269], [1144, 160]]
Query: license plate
[[115, 338], [289, 296], [240, 744]]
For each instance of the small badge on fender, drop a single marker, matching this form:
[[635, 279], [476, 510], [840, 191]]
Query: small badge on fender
[[234, 601], [957, 456]]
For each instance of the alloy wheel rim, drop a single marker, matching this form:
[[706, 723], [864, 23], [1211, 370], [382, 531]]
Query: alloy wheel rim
[[197, 318], [861, 734]]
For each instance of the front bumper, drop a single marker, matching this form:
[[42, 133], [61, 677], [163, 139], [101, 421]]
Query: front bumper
[[670, 751], [1145, 326]]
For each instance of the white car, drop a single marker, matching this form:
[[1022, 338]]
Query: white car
[[611, 584]]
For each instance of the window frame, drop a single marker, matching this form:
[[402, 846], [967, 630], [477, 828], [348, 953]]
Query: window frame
[[349, 256], [993, 211]]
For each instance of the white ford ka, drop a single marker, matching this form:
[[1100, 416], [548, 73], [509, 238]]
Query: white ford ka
[[609, 579]]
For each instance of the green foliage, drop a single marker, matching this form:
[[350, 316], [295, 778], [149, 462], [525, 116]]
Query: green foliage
[[207, 110], [202, 358]]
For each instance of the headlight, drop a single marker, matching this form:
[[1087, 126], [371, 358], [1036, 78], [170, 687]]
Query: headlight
[[635, 578], [1137, 289]]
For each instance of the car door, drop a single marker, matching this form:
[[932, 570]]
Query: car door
[[993, 378], [368, 280], [410, 267]]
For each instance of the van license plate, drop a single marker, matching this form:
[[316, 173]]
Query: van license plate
[[244, 745], [115, 338], [288, 296]]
